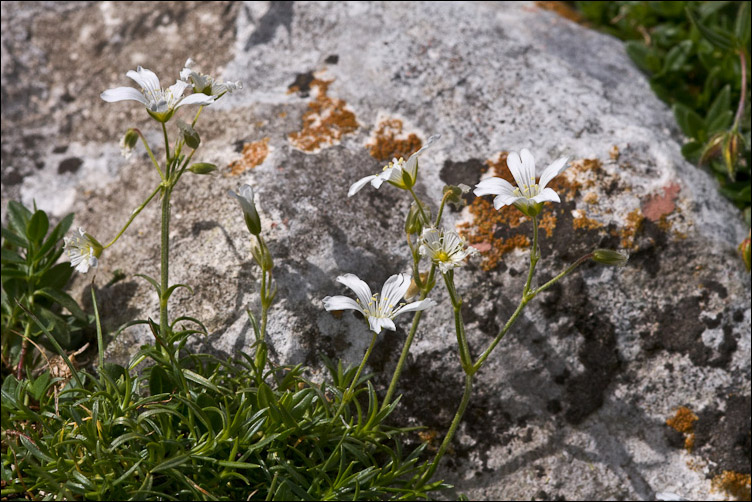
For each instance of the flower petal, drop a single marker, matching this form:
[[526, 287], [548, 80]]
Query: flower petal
[[123, 94], [388, 323], [547, 195], [552, 171], [391, 294], [178, 88], [341, 303], [196, 99], [493, 186], [518, 171], [147, 79], [506, 200], [361, 289], [528, 165], [355, 187], [412, 307]]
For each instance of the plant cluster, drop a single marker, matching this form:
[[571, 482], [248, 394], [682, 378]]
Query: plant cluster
[[175, 425]]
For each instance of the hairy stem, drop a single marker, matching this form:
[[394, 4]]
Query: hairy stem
[[133, 216], [348, 393]]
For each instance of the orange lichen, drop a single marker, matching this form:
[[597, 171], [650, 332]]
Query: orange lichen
[[481, 232], [582, 222], [548, 223], [684, 421], [735, 484], [253, 155], [389, 141], [562, 9], [591, 198], [325, 122], [628, 231]]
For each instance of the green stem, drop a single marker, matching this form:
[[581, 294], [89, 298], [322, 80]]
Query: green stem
[[459, 325], [408, 343], [441, 209], [151, 155], [167, 148], [164, 272], [450, 434], [133, 216], [534, 257], [420, 207], [501, 334], [100, 337], [348, 394], [565, 273]]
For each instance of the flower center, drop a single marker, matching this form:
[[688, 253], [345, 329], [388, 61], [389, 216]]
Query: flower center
[[442, 255], [527, 191]]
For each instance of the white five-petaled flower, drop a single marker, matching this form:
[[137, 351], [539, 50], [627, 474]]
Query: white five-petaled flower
[[160, 103], [399, 172], [528, 196], [83, 251], [205, 83], [379, 311], [445, 248]]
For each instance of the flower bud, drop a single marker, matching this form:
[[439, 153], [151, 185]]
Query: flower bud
[[202, 168], [252, 220], [128, 143], [189, 134], [414, 220], [610, 257], [262, 255]]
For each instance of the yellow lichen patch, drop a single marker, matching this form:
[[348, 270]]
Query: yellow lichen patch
[[325, 122], [548, 223], [684, 421], [254, 154], [582, 222], [735, 484], [628, 231], [390, 142]]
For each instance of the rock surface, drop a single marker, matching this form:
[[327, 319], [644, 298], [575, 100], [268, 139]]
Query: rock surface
[[574, 403]]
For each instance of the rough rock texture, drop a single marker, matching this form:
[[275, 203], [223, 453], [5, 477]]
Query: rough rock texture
[[573, 404]]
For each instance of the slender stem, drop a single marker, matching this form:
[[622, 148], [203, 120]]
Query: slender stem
[[408, 343], [164, 272], [534, 257], [348, 394], [441, 209], [167, 148], [22, 355], [459, 325], [740, 108], [133, 216], [501, 334], [566, 272], [151, 155], [450, 434], [100, 338], [420, 207], [195, 119]]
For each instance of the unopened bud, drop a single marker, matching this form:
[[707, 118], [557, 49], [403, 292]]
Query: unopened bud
[[414, 220], [202, 168], [189, 134], [128, 143], [252, 220], [610, 257]]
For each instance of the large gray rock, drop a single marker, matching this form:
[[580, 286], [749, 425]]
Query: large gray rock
[[574, 402]]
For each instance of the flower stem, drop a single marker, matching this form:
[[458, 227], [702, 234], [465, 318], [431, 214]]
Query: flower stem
[[151, 155], [167, 149], [420, 207], [534, 257], [164, 268], [133, 216], [740, 108], [348, 393], [408, 342], [441, 209], [450, 434], [459, 326], [563, 274]]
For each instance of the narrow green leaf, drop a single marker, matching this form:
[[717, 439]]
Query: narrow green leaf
[[171, 463], [38, 226], [721, 39], [64, 300], [196, 378]]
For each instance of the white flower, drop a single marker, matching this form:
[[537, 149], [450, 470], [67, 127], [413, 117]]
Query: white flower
[[160, 103], [252, 220], [83, 250], [527, 196], [399, 172], [447, 249], [378, 311], [205, 83]]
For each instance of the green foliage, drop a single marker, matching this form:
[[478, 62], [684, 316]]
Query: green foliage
[[32, 278], [198, 428], [692, 52]]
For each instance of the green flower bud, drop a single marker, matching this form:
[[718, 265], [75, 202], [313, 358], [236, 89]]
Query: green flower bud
[[610, 257], [202, 168], [189, 134], [252, 220], [414, 220]]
